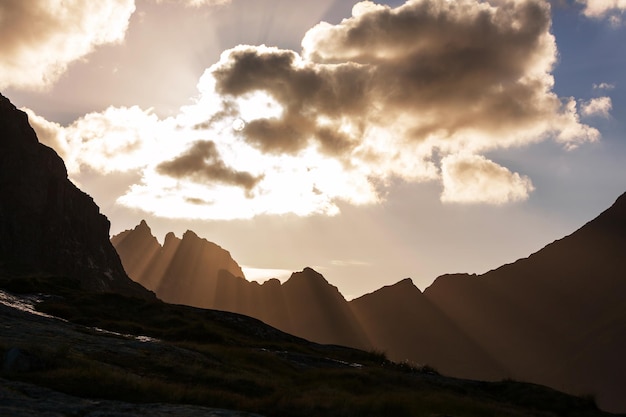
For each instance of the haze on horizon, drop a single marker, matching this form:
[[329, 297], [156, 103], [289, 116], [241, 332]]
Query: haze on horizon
[[370, 141]]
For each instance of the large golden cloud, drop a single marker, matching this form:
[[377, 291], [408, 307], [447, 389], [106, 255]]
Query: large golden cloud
[[40, 38]]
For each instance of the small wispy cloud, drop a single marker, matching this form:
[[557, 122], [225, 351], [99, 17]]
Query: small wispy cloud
[[603, 86]]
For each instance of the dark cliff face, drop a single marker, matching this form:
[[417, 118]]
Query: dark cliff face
[[47, 225]]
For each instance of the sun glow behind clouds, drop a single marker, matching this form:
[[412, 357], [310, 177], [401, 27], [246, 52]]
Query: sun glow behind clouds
[[273, 131]]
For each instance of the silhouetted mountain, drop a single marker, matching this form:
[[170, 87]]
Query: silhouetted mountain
[[47, 225], [401, 321], [182, 271], [199, 273], [317, 306], [137, 249], [557, 317]]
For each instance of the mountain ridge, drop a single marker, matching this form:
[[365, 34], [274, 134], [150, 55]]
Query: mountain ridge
[[530, 319]]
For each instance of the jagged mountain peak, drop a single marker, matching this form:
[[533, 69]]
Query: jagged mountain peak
[[190, 234], [400, 290], [310, 278], [143, 225], [446, 280], [170, 237], [272, 282], [183, 270], [308, 273], [15, 126], [406, 282]]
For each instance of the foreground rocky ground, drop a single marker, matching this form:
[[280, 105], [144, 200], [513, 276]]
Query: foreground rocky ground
[[30, 337], [119, 357]]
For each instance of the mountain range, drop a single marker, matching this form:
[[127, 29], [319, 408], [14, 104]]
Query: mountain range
[[555, 318]]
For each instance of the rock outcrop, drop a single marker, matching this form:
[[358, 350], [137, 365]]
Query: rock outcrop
[[47, 225]]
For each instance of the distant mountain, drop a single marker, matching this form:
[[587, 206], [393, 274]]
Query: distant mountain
[[47, 225], [557, 317], [401, 321], [182, 271], [199, 273]]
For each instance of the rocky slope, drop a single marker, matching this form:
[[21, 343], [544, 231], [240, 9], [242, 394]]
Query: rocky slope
[[47, 225]]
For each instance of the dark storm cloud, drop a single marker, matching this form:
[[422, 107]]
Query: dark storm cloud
[[203, 162]]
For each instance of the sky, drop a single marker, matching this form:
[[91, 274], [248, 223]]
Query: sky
[[371, 141]]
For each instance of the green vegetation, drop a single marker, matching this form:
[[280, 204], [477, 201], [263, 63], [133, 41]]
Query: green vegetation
[[227, 360]]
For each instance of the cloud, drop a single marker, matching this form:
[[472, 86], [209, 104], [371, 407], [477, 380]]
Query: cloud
[[119, 139], [40, 38], [604, 8], [418, 93], [475, 179], [603, 86], [600, 106], [202, 161], [428, 77]]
